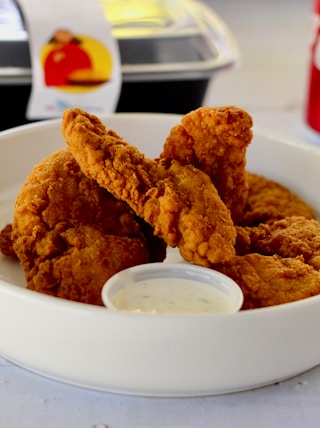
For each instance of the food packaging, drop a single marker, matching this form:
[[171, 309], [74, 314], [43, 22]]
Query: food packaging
[[170, 51], [312, 112]]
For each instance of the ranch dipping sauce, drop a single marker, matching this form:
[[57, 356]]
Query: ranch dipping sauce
[[171, 288], [171, 296]]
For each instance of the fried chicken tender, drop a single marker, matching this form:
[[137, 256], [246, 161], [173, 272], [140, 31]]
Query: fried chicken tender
[[71, 235], [215, 140], [180, 202], [268, 200], [288, 237], [272, 280]]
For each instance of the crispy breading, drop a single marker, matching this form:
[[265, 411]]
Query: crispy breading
[[180, 202], [215, 139], [269, 200], [87, 213], [288, 237], [272, 280], [70, 234]]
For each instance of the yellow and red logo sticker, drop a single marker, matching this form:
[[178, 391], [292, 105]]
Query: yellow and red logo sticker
[[75, 62]]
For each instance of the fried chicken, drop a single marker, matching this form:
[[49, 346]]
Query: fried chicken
[[288, 237], [99, 206], [71, 235], [276, 262], [180, 202], [269, 200], [215, 140], [272, 280]]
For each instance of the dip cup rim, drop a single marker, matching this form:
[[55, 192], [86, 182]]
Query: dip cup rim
[[204, 275]]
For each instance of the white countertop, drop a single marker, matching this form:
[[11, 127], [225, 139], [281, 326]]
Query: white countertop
[[270, 84]]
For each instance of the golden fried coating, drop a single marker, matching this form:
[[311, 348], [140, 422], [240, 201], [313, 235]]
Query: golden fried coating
[[99, 206], [269, 200], [71, 235], [180, 202], [288, 237], [187, 206], [215, 140], [272, 280], [6, 244]]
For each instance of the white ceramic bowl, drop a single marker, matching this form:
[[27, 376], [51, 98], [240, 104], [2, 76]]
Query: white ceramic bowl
[[146, 355], [172, 288]]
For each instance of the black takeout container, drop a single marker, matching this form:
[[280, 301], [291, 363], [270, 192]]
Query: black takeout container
[[169, 51]]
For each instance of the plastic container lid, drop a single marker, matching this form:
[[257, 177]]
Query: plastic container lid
[[170, 37], [158, 40]]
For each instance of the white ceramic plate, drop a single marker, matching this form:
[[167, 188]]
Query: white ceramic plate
[[145, 354]]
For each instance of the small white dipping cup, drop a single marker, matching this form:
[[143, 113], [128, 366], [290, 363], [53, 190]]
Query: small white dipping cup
[[171, 285]]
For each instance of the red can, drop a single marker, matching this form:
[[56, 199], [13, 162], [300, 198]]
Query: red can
[[313, 95]]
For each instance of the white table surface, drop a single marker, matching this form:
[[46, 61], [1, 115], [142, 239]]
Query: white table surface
[[270, 84]]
